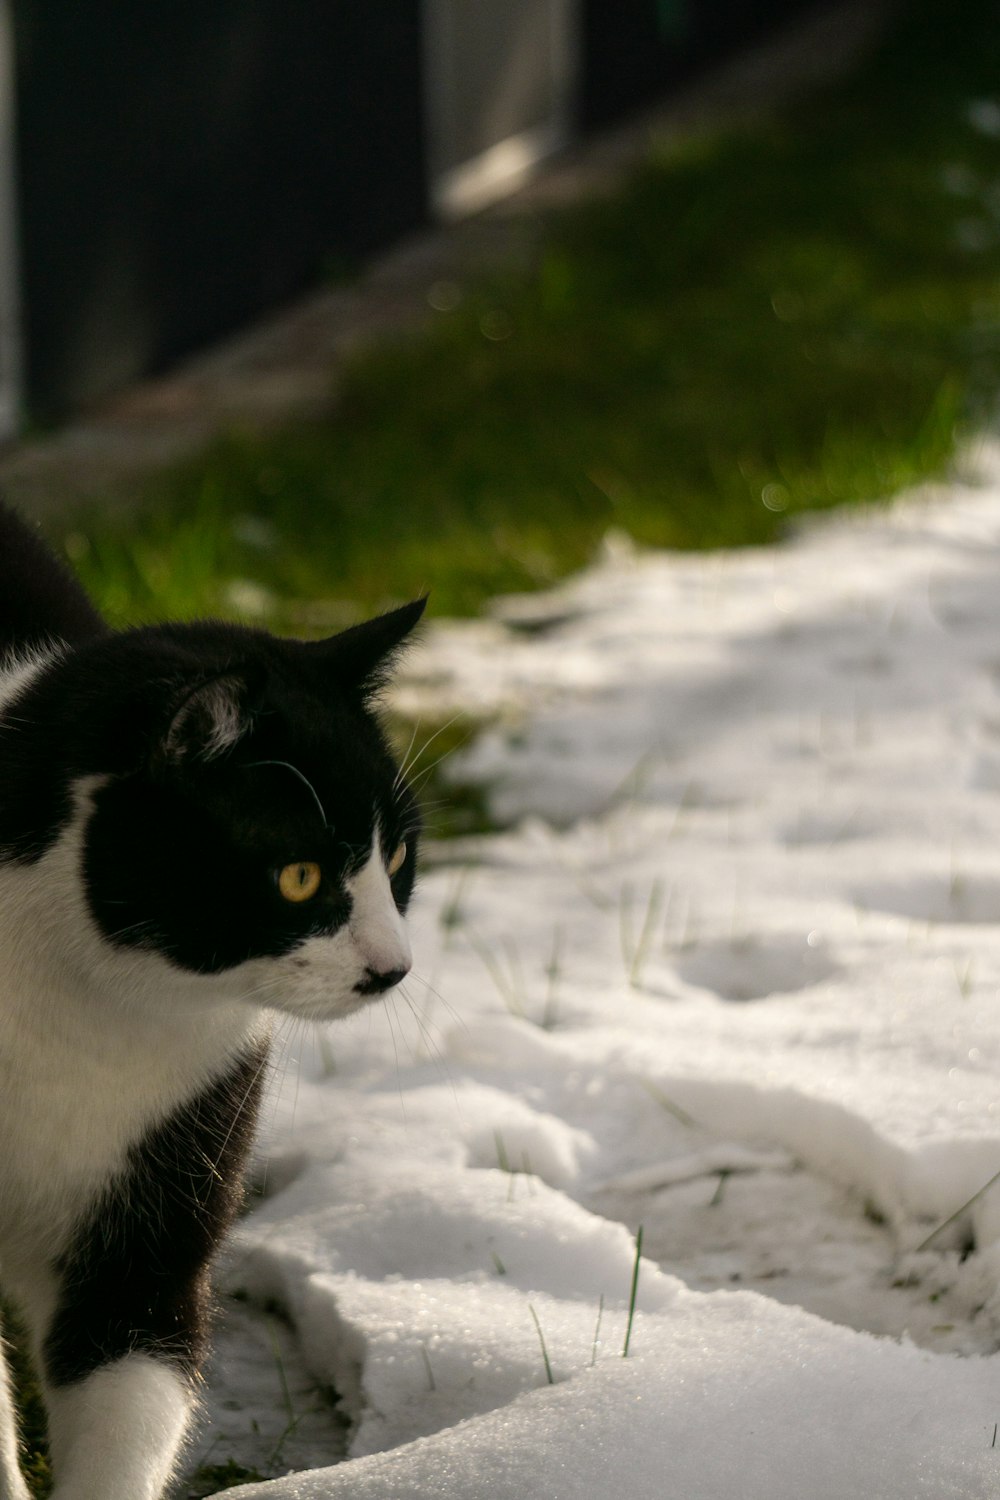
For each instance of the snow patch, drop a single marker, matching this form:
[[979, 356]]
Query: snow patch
[[758, 777]]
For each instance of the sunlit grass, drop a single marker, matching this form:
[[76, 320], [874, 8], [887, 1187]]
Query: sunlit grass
[[788, 317]]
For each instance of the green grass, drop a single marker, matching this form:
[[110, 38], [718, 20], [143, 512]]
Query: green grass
[[550, 1378], [633, 1292], [782, 318]]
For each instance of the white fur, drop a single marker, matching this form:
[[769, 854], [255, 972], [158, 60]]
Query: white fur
[[16, 671], [218, 702], [116, 1435], [12, 1485], [376, 926]]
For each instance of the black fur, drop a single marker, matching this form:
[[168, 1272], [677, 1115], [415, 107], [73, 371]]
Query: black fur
[[39, 598]]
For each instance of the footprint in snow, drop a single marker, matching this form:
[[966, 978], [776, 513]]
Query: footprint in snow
[[937, 898], [753, 968]]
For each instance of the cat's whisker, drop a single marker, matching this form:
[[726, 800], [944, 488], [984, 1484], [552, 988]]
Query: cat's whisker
[[430, 1041], [298, 1028], [248, 1094], [428, 743], [425, 771], [145, 927], [436, 829], [304, 780], [456, 1015], [278, 1074], [395, 1052], [404, 762]]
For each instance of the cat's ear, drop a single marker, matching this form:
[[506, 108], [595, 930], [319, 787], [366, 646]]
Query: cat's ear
[[212, 716], [362, 656]]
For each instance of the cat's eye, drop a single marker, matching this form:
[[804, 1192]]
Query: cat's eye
[[300, 881], [396, 862]]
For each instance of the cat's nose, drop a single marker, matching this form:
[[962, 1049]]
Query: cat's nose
[[375, 981]]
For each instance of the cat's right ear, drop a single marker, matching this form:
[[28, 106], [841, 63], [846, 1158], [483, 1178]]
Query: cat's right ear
[[211, 717], [362, 656]]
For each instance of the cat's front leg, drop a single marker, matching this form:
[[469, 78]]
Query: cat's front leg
[[12, 1485], [121, 1356], [116, 1434]]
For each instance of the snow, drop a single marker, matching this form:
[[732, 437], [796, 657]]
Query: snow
[[731, 974]]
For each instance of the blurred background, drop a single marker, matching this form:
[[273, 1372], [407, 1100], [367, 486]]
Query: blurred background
[[183, 167], [721, 318]]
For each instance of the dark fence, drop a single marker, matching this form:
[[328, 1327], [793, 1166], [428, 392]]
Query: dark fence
[[634, 50], [185, 165]]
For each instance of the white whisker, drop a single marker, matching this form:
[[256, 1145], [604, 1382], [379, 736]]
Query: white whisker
[[436, 735]]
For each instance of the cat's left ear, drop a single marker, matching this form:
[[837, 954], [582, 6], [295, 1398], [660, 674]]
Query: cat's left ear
[[363, 655], [212, 717]]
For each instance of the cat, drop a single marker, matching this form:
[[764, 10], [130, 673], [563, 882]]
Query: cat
[[200, 825]]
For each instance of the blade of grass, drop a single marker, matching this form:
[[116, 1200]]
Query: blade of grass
[[633, 1293], [926, 1243], [541, 1339]]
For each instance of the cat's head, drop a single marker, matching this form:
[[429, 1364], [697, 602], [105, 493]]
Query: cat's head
[[239, 815]]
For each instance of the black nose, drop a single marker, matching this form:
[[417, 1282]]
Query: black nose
[[375, 983]]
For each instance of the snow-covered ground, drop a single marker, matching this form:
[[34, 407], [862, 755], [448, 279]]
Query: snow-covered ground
[[733, 975]]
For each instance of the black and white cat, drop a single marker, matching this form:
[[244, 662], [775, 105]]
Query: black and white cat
[[199, 825]]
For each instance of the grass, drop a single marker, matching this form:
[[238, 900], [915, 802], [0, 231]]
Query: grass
[[636, 952], [506, 972], [781, 318], [959, 1213], [550, 1378], [633, 1292]]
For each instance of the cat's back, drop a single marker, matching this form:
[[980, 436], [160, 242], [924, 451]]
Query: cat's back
[[40, 600]]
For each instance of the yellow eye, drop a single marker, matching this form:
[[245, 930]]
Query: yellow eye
[[300, 881], [396, 862]]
